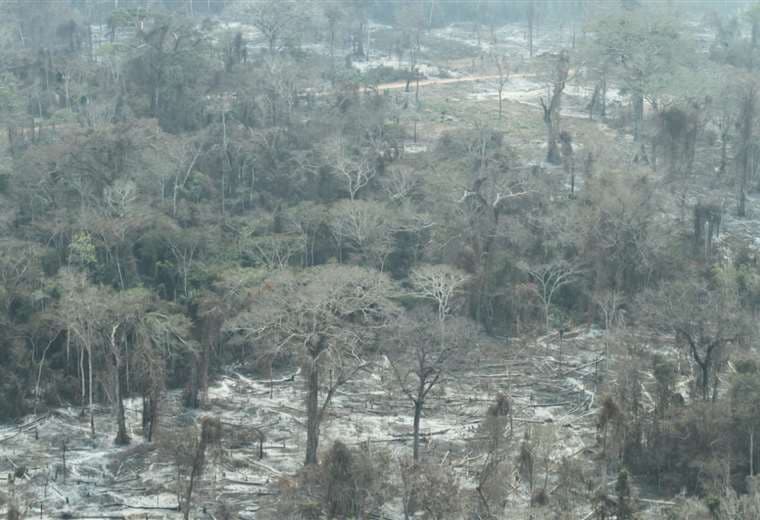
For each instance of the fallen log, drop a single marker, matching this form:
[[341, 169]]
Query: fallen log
[[147, 508], [287, 379], [573, 333], [26, 428], [422, 434], [243, 482], [532, 421], [72, 516], [268, 468], [580, 367], [286, 414], [402, 437], [657, 502]]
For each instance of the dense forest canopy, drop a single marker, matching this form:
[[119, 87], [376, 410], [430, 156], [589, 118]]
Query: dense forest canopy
[[525, 228]]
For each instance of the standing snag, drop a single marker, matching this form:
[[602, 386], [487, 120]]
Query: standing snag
[[324, 316], [420, 361], [556, 87]]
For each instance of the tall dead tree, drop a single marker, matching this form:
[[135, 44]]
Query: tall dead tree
[[502, 68], [707, 218], [568, 161], [419, 364], [324, 316], [746, 144], [549, 279], [277, 21], [210, 434], [531, 25], [495, 470], [122, 437], [439, 284], [559, 76], [705, 320]]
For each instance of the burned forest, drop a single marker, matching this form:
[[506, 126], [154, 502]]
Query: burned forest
[[380, 259]]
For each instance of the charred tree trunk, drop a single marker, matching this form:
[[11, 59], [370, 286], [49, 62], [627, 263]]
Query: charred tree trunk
[[552, 109], [638, 115], [90, 378], [416, 429], [145, 416], [154, 401], [203, 375], [551, 122], [150, 415], [748, 116], [312, 413], [122, 438], [704, 383], [191, 389], [332, 52], [594, 101], [359, 40], [752, 452], [189, 494], [723, 154], [531, 23]]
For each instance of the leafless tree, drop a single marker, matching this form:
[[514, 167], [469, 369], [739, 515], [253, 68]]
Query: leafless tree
[[277, 20], [550, 278], [122, 437], [431, 488], [185, 246], [725, 118], [439, 284], [367, 227], [706, 319], [116, 222], [568, 159], [531, 25], [158, 335], [184, 163], [273, 251], [82, 313], [419, 364], [556, 87], [324, 315], [356, 170], [609, 302], [495, 470], [47, 329], [502, 68], [400, 182], [747, 155], [193, 455]]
